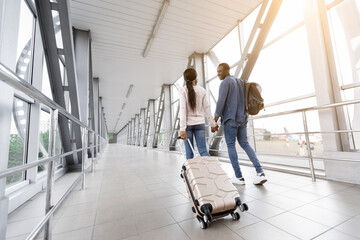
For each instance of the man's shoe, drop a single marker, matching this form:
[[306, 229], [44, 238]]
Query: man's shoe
[[260, 179], [238, 181]]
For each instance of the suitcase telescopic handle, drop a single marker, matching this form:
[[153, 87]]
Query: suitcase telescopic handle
[[192, 148]]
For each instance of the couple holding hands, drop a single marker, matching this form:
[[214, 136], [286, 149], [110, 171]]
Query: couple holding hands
[[230, 107]]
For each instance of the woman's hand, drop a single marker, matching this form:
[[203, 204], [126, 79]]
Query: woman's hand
[[183, 135]]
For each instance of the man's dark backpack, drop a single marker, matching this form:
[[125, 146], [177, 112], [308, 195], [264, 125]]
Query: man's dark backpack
[[253, 100]]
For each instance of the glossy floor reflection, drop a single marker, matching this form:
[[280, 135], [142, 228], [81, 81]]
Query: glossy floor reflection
[[137, 193]]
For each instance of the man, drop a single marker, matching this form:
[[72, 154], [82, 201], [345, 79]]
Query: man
[[231, 108]]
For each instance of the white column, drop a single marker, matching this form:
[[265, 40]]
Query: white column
[[167, 117], [137, 126], [324, 86], [142, 123], [152, 121], [133, 131]]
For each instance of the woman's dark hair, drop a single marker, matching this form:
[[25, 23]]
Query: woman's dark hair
[[190, 76]]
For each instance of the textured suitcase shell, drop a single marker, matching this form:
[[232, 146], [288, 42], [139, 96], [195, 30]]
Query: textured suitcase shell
[[210, 184]]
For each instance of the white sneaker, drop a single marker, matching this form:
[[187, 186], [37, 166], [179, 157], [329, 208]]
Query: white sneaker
[[238, 181], [260, 179]]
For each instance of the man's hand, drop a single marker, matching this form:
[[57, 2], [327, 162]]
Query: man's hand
[[183, 135], [214, 129]]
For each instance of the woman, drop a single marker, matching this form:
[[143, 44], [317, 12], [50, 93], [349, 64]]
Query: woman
[[193, 107]]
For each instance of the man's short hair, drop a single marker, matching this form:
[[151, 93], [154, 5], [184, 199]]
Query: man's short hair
[[225, 66]]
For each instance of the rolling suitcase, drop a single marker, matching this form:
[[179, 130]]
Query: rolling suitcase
[[210, 190]]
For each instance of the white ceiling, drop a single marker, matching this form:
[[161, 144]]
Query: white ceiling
[[120, 30]]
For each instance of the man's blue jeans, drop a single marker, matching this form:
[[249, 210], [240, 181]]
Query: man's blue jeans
[[199, 132], [240, 133]]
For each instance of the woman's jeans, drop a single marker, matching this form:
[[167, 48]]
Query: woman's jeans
[[199, 132], [240, 133]]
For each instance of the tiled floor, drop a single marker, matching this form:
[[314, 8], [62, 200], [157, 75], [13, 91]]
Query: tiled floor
[[136, 193]]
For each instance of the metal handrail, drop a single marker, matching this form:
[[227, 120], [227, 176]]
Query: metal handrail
[[13, 80], [41, 224], [332, 105], [13, 170]]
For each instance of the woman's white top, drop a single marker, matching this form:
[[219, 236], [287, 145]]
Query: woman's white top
[[189, 117]]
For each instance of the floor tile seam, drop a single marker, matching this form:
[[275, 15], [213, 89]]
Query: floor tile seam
[[311, 203], [237, 229], [303, 201], [319, 222], [24, 219], [273, 193], [283, 230], [345, 200], [327, 195], [96, 212], [334, 230], [343, 223], [262, 220], [156, 228], [273, 205], [53, 234], [182, 229], [130, 218]]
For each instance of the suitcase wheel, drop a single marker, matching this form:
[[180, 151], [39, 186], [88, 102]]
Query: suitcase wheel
[[235, 216], [208, 218], [243, 207], [181, 176], [193, 209], [203, 224]]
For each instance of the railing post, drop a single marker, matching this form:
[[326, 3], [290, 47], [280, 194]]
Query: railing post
[[97, 148], [50, 173], [92, 151], [311, 162], [84, 153]]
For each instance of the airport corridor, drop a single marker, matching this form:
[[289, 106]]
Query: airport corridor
[[137, 193]]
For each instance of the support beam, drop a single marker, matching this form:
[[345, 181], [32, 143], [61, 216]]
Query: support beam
[[149, 123], [133, 136], [142, 126], [52, 61], [137, 128], [76, 91]]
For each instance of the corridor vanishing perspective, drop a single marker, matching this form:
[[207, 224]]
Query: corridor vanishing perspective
[[90, 94], [140, 195]]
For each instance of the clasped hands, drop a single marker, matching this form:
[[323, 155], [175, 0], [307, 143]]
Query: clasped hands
[[214, 129]]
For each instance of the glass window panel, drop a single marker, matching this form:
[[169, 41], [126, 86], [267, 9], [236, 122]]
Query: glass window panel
[[290, 13], [24, 44], [277, 134], [281, 124], [176, 87], [214, 88], [228, 49], [43, 138], [174, 110], [57, 28], [353, 115], [285, 65], [45, 86], [294, 105], [210, 67], [18, 138], [17, 43], [344, 21], [247, 24]]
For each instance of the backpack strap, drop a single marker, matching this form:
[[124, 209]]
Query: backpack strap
[[246, 92]]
